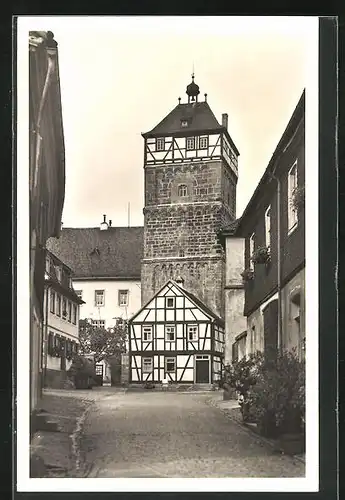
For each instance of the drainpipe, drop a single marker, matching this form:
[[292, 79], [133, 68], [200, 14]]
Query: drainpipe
[[279, 274]]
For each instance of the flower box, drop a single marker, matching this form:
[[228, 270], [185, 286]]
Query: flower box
[[261, 255], [298, 198], [247, 274]]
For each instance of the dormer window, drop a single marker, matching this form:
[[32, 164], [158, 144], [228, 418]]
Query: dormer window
[[184, 123], [203, 142], [190, 143], [160, 144]]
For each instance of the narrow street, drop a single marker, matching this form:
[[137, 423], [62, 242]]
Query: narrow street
[[148, 434]]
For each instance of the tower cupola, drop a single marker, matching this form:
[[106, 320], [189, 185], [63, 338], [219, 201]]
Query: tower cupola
[[193, 91]]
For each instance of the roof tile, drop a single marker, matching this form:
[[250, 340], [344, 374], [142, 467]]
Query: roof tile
[[91, 252]]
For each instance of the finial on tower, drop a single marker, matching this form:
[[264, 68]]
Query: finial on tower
[[205, 97], [179, 100], [192, 90]]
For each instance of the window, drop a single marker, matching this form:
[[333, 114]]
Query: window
[[147, 365], [190, 143], [192, 332], [292, 185], [251, 250], [170, 365], [203, 142], [182, 190], [64, 308], [74, 321], [123, 297], [184, 123], [70, 312], [79, 293], [47, 265], [58, 305], [268, 226], [170, 302], [99, 298], [98, 323], [70, 284], [58, 272], [147, 333], [52, 302], [99, 370], [170, 333], [160, 144]]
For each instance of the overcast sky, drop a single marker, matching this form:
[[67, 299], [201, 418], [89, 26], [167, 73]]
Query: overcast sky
[[121, 75]]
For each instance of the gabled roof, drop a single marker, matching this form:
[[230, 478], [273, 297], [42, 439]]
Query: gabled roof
[[94, 253], [199, 115], [197, 302]]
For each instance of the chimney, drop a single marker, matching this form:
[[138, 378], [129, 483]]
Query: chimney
[[110, 222], [180, 281], [104, 224], [225, 120]]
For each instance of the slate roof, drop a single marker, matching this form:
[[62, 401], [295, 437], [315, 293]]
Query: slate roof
[[93, 253], [199, 115]]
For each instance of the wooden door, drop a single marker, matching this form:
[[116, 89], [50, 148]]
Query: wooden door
[[202, 370], [270, 314], [99, 374]]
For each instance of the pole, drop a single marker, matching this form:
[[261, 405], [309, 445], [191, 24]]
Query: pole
[[279, 339]]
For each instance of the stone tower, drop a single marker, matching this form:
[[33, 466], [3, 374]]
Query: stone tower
[[190, 165]]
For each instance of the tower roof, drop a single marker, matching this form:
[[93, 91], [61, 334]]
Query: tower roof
[[199, 116], [192, 88]]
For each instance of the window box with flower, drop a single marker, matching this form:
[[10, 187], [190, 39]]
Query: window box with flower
[[261, 255], [298, 198], [247, 274]]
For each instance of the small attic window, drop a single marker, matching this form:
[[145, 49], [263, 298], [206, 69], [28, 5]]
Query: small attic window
[[184, 123], [160, 144]]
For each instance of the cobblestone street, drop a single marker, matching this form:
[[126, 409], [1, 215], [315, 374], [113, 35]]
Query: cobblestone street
[[148, 434]]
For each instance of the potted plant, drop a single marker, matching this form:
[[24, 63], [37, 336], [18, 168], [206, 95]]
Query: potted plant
[[298, 198], [261, 255], [247, 274]]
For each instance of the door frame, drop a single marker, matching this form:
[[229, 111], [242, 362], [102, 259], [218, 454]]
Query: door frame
[[202, 357]]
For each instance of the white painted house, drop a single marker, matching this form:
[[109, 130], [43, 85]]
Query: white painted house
[[61, 321], [106, 263], [175, 337]]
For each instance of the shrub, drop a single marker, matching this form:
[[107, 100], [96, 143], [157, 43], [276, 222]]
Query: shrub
[[272, 391], [276, 401], [241, 375], [82, 372]]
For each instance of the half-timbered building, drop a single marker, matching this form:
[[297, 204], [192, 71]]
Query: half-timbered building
[[175, 337]]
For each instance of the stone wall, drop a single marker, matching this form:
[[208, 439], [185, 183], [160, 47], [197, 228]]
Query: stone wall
[[180, 232], [204, 277]]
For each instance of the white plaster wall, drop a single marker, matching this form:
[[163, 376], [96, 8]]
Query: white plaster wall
[[235, 321], [111, 308], [290, 336]]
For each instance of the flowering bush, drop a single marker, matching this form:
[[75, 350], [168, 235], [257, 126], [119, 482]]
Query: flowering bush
[[277, 399], [272, 391], [261, 255]]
